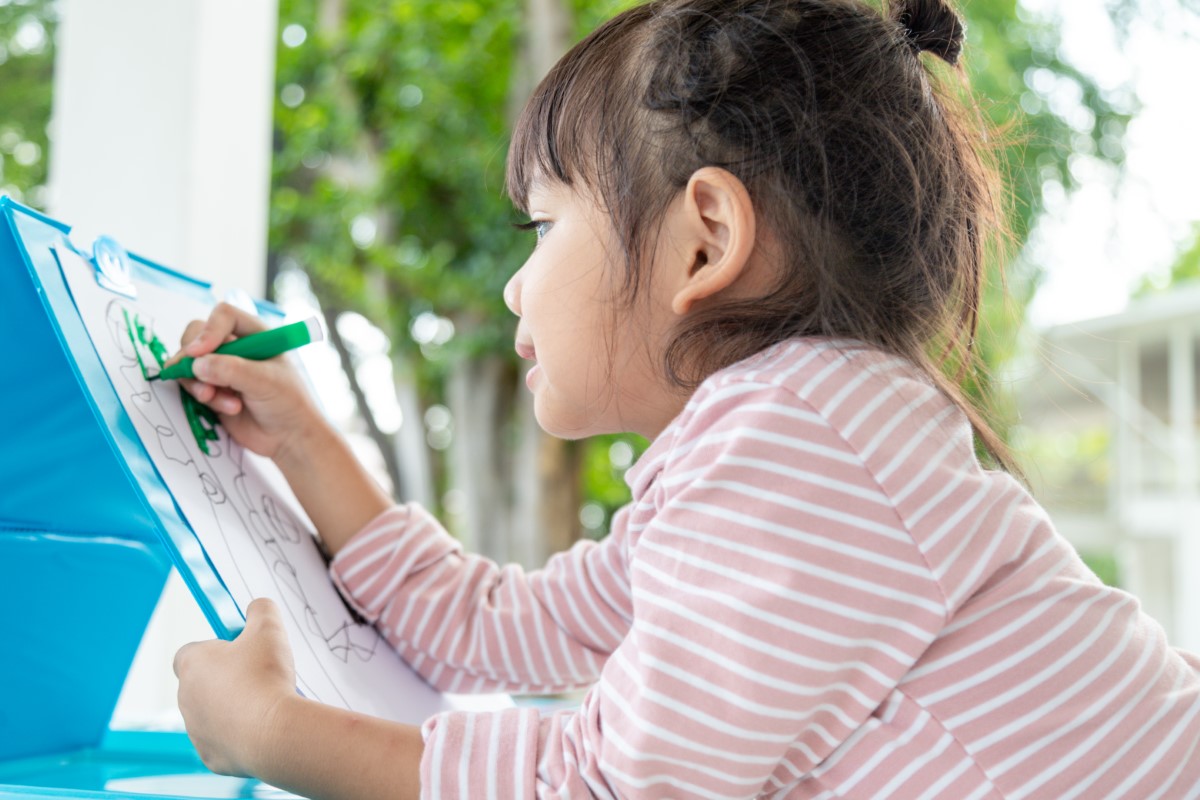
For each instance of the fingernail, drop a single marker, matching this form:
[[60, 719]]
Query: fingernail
[[200, 368]]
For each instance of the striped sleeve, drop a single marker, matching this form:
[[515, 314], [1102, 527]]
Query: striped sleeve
[[778, 601], [466, 624]]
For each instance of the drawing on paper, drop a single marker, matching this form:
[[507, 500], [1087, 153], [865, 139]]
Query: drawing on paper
[[240, 504], [252, 532]]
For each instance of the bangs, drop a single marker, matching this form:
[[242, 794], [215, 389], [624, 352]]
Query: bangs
[[571, 127]]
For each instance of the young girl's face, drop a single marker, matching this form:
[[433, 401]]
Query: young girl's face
[[595, 370]]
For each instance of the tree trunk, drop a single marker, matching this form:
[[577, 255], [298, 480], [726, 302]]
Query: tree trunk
[[547, 36], [547, 491], [412, 451], [382, 440], [480, 461], [529, 545], [406, 454], [546, 480]]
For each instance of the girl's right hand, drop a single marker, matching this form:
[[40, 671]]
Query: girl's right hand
[[264, 405]]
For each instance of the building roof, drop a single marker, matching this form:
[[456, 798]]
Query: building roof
[[1145, 318]]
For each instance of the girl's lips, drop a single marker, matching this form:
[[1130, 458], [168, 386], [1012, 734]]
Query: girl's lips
[[526, 351]]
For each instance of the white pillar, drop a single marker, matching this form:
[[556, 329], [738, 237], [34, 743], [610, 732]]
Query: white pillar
[[1181, 357], [161, 137], [1128, 445], [161, 130]]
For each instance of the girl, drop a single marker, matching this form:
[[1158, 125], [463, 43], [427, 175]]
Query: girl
[[754, 219]]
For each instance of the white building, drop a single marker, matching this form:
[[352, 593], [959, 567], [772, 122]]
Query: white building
[[1109, 428]]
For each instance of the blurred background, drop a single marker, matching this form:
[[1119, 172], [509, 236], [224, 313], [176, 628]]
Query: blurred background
[[346, 158]]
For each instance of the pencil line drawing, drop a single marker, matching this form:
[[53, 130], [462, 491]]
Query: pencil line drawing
[[241, 503], [253, 536]]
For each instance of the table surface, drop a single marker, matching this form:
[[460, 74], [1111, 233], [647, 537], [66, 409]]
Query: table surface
[[128, 763]]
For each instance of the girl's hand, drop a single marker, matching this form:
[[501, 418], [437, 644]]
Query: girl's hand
[[231, 693], [264, 405]]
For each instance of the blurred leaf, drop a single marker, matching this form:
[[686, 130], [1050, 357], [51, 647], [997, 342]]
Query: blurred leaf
[[1105, 567], [27, 32]]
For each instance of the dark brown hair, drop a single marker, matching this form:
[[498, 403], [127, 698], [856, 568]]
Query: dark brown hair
[[868, 173]]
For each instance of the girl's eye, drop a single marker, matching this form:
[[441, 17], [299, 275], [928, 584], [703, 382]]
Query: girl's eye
[[540, 226]]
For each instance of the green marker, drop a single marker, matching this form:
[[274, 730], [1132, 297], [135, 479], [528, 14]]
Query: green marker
[[256, 346]]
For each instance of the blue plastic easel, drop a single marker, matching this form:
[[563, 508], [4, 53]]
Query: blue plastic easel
[[88, 534]]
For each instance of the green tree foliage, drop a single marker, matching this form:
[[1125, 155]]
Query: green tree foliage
[[391, 131], [26, 75], [389, 170]]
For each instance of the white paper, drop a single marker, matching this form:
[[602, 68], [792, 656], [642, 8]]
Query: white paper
[[254, 531]]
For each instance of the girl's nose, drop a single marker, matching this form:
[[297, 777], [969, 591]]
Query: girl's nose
[[512, 293]]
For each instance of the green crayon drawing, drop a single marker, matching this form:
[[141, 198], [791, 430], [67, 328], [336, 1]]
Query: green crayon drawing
[[141, 343], [202, 419]]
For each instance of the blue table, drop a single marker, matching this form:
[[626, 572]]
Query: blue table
[[126, 764]]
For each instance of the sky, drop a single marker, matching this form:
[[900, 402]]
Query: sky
[[1096, 243]]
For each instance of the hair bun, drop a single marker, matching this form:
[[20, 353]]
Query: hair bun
[[931, 25]]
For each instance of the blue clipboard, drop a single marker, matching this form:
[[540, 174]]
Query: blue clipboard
[[88, 529]]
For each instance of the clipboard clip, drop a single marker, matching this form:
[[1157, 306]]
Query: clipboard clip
[[108, 258]]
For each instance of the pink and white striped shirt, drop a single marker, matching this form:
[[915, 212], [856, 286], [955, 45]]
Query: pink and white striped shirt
[[816, 592]]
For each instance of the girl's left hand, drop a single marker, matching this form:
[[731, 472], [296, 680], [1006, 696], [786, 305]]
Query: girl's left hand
[[230, 693]]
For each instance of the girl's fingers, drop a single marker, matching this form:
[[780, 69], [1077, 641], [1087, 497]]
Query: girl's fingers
[[191, 331], [236, 379], [198, 389], [232, 372], [262, 619], [226, 321], [225, 402], [220, 400]]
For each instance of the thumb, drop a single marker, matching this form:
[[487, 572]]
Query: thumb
[[225, 321], [263, 619], [264, 642]]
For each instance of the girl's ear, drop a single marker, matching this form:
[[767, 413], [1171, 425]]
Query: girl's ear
[[715, 226]]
